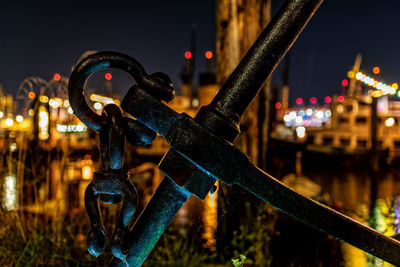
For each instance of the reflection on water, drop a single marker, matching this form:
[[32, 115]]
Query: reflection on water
[[10, 193], [353, 194], [397, 214], [384, 221], [209, 219], [383, 217]]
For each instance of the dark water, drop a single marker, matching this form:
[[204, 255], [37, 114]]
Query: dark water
[[351, 190]]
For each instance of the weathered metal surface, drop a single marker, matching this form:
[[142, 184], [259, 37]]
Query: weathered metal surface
[[164, 204], [221, 160], [112, 184], [202, 150], [157, 84], [222, 116], [241, 87]]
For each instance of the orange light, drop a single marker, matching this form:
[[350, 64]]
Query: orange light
[[376, 93], [108, 76], [87, 172], [209, 55], [31, 95], [376, 70], [351, 74], [188, 55], [57, 77], [278, 105]]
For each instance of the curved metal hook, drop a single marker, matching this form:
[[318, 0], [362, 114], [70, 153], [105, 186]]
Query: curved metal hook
[[155, 84]]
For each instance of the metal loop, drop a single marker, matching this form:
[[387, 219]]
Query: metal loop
[[112, 141], [153, 84]]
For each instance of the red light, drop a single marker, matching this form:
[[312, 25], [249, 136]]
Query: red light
[[299, 101], [31, 95], [313, 100], [345, 82], [57, 77], [188, 55], [328, 99], [108, 76], [209, 55], [278, 105], [340, 99]]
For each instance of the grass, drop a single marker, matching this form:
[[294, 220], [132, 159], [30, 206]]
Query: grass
[[31, 240], [28, 239]]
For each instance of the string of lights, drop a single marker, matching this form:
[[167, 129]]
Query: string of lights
[[367, 80]]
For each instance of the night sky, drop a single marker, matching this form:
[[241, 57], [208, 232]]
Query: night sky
[[40, 39]]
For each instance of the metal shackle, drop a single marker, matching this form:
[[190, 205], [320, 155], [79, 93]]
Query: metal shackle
[[156, 84], [112, 185]]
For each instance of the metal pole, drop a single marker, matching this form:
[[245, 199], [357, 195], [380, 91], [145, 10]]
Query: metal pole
[[374, 140], [244, 83], [373, 156]]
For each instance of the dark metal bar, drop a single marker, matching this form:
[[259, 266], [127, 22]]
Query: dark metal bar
[[224, 113], [235, 168], [244, 83], [374, 156], [261, 60], [155, 218], [221, 160], [317, 215], [210, 157]]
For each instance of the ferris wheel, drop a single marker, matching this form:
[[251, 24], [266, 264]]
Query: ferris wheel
[[28, 90]]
